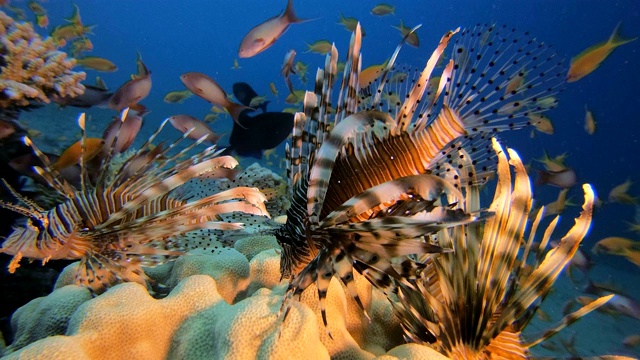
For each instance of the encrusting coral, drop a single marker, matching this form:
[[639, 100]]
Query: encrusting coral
[[32, 68]]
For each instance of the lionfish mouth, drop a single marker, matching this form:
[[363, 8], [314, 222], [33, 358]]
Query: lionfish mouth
[[379, 183]]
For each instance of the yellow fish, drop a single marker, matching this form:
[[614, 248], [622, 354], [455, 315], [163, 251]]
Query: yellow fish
[[412, 39], [321, 47], [516, 82], [542, 123], [350, 23], [96, 63], [235, 66], [589, 122], [614, 245], [619, 194], [555, 164], [589, 60], [383, 9], [177, 96], [273, 89], [370, 74]]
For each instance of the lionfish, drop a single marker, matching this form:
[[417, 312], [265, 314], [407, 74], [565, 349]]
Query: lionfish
[[136, 217], [371, 185], [474, 303]]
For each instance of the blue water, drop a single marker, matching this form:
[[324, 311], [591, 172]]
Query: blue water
[[177, 36]]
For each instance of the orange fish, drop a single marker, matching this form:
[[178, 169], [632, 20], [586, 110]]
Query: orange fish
[[589, 121], [264, 35], [133, 91], [197, 127], [205, 87], [71, 156], [589, 60], [126, 133]]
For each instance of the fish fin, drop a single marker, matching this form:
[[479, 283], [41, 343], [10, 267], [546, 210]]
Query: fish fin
[[616, 39], [475, 92], [235, 110], [570, 319]]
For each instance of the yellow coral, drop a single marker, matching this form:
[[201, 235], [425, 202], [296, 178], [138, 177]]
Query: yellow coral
[[31, 68]]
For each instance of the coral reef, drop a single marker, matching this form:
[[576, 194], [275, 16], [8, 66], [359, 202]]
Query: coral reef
[[31, 67], [195, 320]]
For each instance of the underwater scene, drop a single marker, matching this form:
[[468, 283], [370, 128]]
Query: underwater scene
[[312, 180]]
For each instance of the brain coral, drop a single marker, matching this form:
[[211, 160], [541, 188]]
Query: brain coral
[[195, 322]]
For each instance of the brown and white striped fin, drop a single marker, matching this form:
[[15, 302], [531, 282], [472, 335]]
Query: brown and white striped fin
[[348, 96], [405, 115], [320, 173], [570, 319]]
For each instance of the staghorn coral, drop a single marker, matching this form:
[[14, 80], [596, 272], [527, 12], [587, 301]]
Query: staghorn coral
[[31, 68]]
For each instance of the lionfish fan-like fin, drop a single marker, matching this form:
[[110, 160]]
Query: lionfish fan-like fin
[[50, 175], [570, 319], [83, 150], [428, 187], [404, 116], [146, 147], [323, 164], [31, 209], [159, 189], [508, 345], [504, 232], [149, 175], [171, 167], [112, 147], [466, 161], [385, 72], [348, 96], [500, 77], [343, 267], [199, 214], [398, 228], [541, 279], [98, 273], [324, 107], [417, 304], [297, 164]]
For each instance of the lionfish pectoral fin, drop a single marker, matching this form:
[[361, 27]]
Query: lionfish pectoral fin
[[570, 319], [98, 273], [342, 265]]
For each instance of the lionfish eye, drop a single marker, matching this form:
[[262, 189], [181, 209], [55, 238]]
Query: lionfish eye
[[36, 223]]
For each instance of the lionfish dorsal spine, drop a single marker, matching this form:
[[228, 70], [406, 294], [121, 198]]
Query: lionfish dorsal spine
[[390, 64], [49, 174], [348, 96], [404, 116]]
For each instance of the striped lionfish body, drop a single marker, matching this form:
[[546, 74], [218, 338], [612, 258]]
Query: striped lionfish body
[[474, 302], [114, 225], [370, 185]]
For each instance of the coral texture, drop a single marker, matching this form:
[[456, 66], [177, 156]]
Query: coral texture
[[194, 321], [31, 67]]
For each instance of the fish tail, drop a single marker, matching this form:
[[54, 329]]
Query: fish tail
[[235, 110], [290, 15], [486, 60], [616, 39]]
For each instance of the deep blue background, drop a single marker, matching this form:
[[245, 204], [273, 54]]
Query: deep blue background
[[179, 36]]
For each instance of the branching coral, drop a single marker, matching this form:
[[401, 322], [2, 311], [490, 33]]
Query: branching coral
[[31, 68]]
